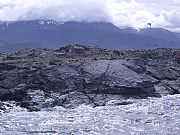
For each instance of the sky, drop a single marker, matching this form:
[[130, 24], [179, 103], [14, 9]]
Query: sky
[[122, 13]]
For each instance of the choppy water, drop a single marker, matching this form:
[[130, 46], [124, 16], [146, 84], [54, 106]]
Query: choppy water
[[144, 117]]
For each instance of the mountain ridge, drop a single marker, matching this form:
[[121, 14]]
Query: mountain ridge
[[51, 34]]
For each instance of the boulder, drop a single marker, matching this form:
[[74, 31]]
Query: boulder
[[112, 77]]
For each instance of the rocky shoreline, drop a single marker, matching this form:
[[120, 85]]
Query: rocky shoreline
[[70, 76]]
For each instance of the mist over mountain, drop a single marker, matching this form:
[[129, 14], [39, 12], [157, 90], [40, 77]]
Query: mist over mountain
[[51, 34], [122, 13]]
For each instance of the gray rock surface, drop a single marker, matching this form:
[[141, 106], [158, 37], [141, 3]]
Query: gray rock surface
[[118, 79], [75, 75]]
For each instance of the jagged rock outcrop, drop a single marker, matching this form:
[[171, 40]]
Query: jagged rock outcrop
[[74, 75]]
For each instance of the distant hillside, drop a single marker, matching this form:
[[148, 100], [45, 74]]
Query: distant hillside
[[178, 35], [50, 34], [172, 38]]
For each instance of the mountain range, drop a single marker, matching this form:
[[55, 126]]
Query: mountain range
[[51, 34]]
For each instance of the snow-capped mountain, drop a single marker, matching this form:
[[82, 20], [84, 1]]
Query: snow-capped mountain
[[51, 34], [160, 33]]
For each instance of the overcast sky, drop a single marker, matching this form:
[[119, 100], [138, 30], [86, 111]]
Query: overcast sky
[[122, 13]]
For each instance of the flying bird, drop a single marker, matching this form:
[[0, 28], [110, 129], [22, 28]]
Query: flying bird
[[150, 24]]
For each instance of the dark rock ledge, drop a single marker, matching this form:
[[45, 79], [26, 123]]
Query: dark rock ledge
[[73, 75]]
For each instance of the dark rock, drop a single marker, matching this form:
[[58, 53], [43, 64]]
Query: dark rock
[[44, 78], [6, 106], [74, 99], [52, 63], [15, 94], [162, 73], [73, 50], [6, 67], [2, 108], [2, 76], [119, 102]]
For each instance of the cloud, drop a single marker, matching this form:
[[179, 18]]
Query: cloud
[[123, 13], [176, 1], [60, 10], [130, 13]]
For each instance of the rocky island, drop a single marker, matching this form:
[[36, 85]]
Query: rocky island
[[106, 82]]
